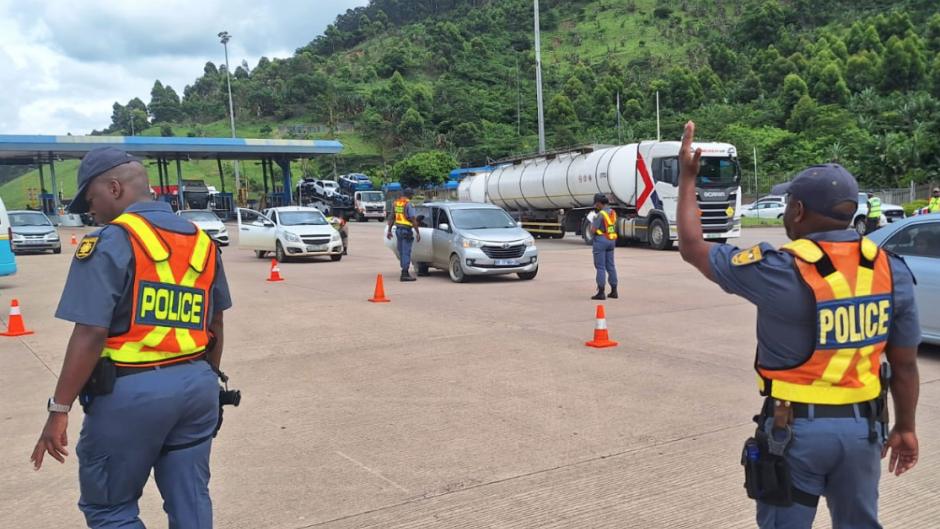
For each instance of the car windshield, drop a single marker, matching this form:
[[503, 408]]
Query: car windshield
[[200, 216], [302, 218], [481, 219], [371, 197], [717, 171], [330, 184], [29, 219]]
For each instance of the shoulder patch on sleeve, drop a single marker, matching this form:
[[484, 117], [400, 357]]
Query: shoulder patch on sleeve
[[86, 247], [748, 256]]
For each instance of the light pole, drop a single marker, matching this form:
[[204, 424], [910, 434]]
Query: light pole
[[538, 78], [231, 109]]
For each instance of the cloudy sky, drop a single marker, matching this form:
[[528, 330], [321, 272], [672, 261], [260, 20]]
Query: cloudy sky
[[63, 63]]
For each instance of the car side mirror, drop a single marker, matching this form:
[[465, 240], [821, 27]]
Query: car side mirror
[[443, 227], [268, 224]]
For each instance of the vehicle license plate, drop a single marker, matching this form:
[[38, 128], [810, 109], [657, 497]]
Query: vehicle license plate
[[316, 248], [507, 262], [33, 241], [712, 235]]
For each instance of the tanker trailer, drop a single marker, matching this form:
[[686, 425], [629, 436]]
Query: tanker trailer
[[552, 194]]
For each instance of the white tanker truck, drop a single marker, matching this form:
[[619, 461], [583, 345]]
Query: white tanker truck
[[552, 194]]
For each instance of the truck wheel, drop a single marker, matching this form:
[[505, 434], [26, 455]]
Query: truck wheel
[[659, 235], [456, 270], [558, 235], [586, 233]]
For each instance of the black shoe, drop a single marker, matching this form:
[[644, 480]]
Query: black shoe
[[600, 294], [406, 277], [613, 292]]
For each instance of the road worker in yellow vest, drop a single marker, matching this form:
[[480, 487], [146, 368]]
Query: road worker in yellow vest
[[604, 228], [831, 308], [874, 213], [146, 293], [339, 224], [933, 205]]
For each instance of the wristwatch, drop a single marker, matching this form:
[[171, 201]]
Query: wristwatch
[[59, 408]]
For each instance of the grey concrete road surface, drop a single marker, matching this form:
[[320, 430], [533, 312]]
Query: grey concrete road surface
[[470, 405]]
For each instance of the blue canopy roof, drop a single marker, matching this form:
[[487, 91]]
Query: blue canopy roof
[[25, 149]]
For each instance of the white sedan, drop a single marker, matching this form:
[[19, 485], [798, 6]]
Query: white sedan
[[291, 231], [208, 222]]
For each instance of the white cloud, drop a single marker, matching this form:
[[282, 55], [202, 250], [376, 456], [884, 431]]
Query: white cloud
[[64, 63]]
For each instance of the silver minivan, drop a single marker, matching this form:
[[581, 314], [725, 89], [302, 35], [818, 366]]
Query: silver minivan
[[470, 239]]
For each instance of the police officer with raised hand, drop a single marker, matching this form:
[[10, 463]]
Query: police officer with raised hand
[[404, 221], [145, 292], [604, 226], [829, 306]]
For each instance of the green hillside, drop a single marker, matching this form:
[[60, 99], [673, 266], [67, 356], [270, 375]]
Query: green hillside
[[800, 81]]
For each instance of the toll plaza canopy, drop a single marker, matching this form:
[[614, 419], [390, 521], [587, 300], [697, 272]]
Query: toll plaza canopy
[[40, 150]]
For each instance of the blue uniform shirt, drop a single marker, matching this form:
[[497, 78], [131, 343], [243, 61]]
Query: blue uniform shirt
[[786, 305], [99, 290]]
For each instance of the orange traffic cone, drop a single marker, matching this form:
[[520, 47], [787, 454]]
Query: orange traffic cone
[[379, 296], [275, 272], [600, 331], [74, 242], [15, 327]]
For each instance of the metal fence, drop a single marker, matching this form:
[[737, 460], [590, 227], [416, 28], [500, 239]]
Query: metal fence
[[754, 187]]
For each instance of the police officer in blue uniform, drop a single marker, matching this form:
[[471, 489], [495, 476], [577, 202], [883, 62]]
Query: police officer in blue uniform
[[827, 305], [405, 223], [160, 413], [604, 228]]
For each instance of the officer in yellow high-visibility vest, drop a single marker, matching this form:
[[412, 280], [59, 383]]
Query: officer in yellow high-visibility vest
[[933, 205], [146, 294], [405, 224], [604, 226], [830, 306], [874, 213]]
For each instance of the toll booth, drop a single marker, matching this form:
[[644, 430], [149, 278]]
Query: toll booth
[[223, 205], [48, 204]]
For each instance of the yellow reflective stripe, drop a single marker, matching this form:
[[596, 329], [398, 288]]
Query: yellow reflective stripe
[[869, 249], [825, 395], [840, 286], [807, 250], [149, 238], [200, 253]]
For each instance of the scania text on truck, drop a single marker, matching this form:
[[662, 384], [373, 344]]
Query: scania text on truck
[[552, 194]]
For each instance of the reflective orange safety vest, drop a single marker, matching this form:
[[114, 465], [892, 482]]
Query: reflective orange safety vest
[[854, 306], [400, 218], [610, 225], [174, 276]]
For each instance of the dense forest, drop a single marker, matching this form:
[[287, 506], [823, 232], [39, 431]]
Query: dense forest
[[802, 81]]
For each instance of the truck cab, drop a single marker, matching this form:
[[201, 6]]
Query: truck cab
[[369, 205]]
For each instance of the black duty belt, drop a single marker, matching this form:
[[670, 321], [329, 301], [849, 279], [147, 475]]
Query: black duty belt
[[829, 411], [124, 370]]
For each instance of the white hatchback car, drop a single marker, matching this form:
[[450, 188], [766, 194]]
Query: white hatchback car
[[208, 222], [289, 231]]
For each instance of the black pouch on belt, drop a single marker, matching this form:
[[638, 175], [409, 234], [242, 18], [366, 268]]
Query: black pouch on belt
[[101, 382], [766, 476]]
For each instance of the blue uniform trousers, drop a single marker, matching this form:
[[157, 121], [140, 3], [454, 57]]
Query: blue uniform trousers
[[833, 458], [604, 261], [121, 439], [405, 238]]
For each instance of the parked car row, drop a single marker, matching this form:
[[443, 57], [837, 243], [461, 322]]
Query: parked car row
[[773, 206]]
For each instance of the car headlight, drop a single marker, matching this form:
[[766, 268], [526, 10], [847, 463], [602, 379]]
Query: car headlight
[[223, 231], [52, 236], [291, 237], [18, 237], [472, 243], [530, 241], [335, 236]]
